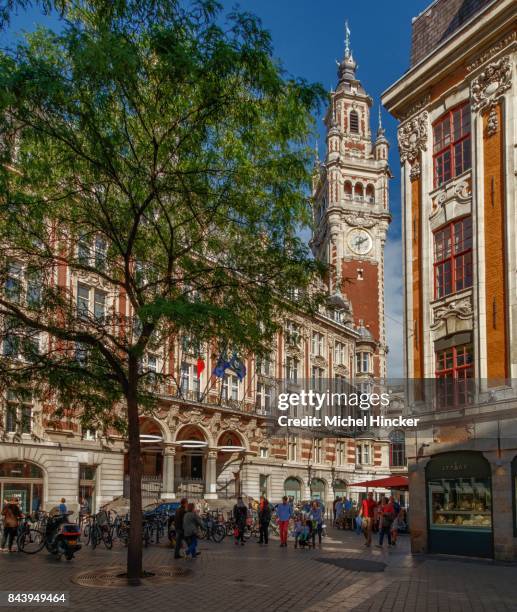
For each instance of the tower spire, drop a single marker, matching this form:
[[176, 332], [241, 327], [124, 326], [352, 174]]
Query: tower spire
[[348, 51]]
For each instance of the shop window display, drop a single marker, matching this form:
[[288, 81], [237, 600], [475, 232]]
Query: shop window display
[[460, 503]]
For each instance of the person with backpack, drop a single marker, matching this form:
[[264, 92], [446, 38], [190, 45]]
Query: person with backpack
[[11, 514], [191, 524], [387, 516], [264, 518]]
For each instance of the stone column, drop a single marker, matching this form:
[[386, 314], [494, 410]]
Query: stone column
[[502, 505], [417, 496], [211, 476], [168, 472]]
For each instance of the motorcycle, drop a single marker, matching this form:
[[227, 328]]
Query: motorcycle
[[62, 537]]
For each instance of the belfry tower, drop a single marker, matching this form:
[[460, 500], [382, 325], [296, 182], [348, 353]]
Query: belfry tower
[[351, 211]]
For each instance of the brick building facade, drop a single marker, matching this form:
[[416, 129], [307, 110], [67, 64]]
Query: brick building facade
[[457, 135]]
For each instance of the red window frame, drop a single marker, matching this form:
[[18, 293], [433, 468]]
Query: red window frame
[[452, 144], [454, 367], [453, 257]]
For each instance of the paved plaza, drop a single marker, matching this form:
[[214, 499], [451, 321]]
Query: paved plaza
[[342, 575]]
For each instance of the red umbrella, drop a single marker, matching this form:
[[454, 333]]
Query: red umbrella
[[392, 482]]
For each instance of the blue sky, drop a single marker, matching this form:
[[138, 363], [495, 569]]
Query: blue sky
[[308, 36]]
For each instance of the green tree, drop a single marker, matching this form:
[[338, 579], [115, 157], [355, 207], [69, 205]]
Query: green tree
[[162, 152]]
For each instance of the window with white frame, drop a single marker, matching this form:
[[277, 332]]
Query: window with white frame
[[18, 414], [363, 453], [318, 344], [291, 369], [185, 382], [265, 365], [20, 344], [23, 284], [91, 302], [317, 450], [92, 251], [363, 363], [230, 388], [292, 447], [340, 452], [340, 353], [265, 394], [264, 452], [318, 376]]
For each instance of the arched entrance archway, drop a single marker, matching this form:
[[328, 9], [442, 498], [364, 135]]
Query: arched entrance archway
[[230, 456], [293, 488], [23, 480], [191, 462]]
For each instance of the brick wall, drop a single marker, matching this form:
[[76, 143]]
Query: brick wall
[[437, 24]]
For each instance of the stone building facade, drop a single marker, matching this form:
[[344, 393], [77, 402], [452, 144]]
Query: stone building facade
[[457, 135], [211, 437]]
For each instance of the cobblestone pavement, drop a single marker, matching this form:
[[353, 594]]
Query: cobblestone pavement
[[339, 576]]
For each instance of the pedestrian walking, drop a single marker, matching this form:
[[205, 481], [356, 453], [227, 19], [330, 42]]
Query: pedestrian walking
[[191, 524], [179, 516], [316, 516], [11, 514], [240, 514], [338, 512], [397, 522], [264, 518], [387, 516], [367, 514], [284, 512]]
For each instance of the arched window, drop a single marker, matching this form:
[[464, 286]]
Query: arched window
[[370, 194], [397, 449], [318, 489], [348, 190], [293, 488], [354, 122], [358, 192]]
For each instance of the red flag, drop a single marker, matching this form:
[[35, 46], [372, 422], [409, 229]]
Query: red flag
[[200, 366]]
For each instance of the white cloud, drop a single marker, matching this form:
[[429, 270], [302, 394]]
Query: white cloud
[[394, 310]]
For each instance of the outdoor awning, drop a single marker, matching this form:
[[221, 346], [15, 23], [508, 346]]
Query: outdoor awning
[[392, 482]]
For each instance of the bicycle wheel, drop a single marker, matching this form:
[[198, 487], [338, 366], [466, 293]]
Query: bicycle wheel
[[87, 532], [95, 536], [218, 533], [32, 541], [107, 539], [203, 533]]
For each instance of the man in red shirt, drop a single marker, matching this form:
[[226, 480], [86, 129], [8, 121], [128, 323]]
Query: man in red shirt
[[367, 513]]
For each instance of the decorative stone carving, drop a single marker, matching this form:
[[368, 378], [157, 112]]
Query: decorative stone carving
[[413, 110], [460, 192], [461, 309], [414, 173], [492, 51], [490, 85], [492, 123], [412, 139], [360, 221]]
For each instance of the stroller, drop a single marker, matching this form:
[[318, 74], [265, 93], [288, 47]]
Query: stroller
[[305, 537]]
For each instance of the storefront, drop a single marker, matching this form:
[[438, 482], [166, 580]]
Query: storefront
[[24, 481], [459, 502]]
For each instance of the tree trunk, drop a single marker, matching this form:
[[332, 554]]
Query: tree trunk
[[134, 552]]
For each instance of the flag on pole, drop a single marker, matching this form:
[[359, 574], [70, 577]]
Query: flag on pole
[[200, 366]]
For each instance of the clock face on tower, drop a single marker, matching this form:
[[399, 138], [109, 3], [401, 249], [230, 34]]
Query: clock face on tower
[[360, 241]]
